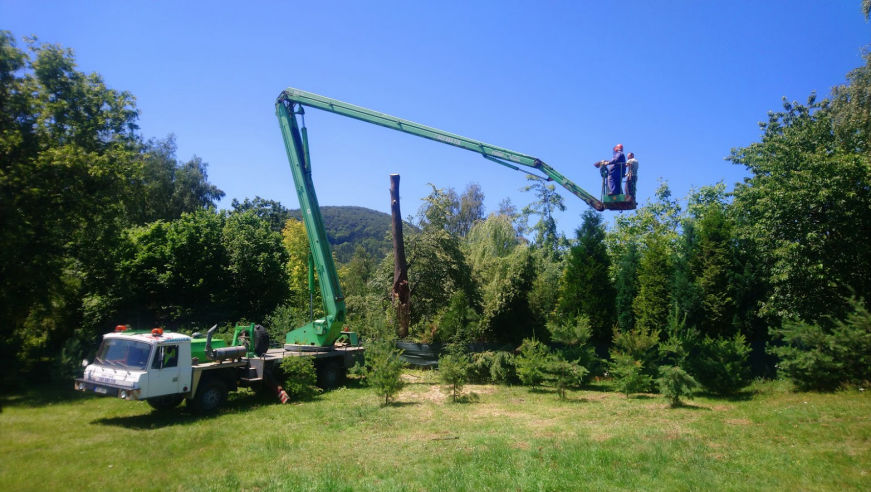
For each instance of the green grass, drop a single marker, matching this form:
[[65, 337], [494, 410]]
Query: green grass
[[505, 438]]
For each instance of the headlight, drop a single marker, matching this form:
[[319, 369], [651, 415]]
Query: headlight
[[123, 394]]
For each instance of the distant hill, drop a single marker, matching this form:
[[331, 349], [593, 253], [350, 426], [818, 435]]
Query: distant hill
[[349, 226]]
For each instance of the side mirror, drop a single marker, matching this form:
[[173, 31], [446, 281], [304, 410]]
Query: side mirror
[[85, 363]]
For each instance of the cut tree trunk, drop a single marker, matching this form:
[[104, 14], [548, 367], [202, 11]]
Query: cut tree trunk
[[401, 291]]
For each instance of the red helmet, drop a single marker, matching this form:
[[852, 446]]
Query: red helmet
[[619, 147]]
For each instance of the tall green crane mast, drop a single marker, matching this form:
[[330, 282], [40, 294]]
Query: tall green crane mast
[[290, 102]]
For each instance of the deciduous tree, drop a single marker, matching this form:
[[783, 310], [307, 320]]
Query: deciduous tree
[[806, 208]]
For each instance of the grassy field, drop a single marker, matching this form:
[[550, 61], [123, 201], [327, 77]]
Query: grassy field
[[509, 439]]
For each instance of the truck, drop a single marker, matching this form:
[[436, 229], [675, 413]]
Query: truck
[[165, 368]]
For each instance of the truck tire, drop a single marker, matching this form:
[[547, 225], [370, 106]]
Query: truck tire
[[261, 340], [210, 396], [330, 373], [164, 403]]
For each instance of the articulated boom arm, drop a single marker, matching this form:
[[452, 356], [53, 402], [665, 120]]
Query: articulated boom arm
[[496, 154], [322, 332], [325, 331]]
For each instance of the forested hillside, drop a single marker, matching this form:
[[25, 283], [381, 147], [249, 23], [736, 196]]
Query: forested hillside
[[102, 225], [348, 227]]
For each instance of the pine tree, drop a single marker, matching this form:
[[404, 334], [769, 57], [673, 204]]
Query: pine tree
[[586, 287], [627, 287], [454, 367], [383, 369], [654, 272], [713, 269]]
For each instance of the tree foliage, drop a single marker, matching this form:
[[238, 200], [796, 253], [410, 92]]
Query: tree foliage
[[674, 383], [650, 306], [299, 377], [75, 173], [626, 287], [823, 356], [585, 288], [532, 363], [720, 364], [256, 264], [383, 369], [806, 204], [504, 270], [437, 268], [274, 213], [547, 201], [454, 367], [629, 375]]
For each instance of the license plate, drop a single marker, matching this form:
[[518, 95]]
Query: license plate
[[100, 389]]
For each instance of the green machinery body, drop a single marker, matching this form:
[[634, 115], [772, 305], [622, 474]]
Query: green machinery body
[[325, 331]]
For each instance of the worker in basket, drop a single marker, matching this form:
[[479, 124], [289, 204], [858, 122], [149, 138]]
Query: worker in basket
[[631, 176], [614, 169]]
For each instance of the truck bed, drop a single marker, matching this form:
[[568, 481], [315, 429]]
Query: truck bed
[[280, 353]]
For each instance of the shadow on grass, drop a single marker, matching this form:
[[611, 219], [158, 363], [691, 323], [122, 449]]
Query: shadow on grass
[[599, 387], [155, 420], [183, 415], [540, 390], [689, 406], [401, 404], [578, 401], [465, 399], [739, 396], [43, 395]]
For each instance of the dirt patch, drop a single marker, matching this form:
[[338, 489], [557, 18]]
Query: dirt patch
[[433, 394], [410, 378], [479, 389], [738, 421]]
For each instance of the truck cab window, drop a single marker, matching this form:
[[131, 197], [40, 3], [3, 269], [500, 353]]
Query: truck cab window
[[166, 356]]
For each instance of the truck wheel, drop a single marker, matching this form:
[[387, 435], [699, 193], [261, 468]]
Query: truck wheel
[[210, 396], [330, 374], [164, 403]]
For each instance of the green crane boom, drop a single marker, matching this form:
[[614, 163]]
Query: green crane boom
[[324, 332]]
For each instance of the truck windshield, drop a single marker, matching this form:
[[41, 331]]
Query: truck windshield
[[130, 354]]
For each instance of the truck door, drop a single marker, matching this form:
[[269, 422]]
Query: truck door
[[163, 377]]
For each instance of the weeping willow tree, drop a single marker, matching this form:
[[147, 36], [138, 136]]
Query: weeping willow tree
[[504, 269]]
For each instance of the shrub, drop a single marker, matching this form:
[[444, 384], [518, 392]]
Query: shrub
[[673, 351], [720, 364], [458, 322], [574, 332], [454, 366], [532, 362], [383, 369], [640, 345], [496, 367], [566, 375], [282, 320], [299, 377], [574, 335], [815, 358], [629, 376], [674, 383]]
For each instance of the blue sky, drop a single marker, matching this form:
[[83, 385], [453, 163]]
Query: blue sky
[[680, 83]]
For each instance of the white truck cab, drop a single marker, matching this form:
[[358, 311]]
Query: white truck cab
[[139, 366]]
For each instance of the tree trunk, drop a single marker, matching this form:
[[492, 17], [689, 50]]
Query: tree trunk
[[401, 292]]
